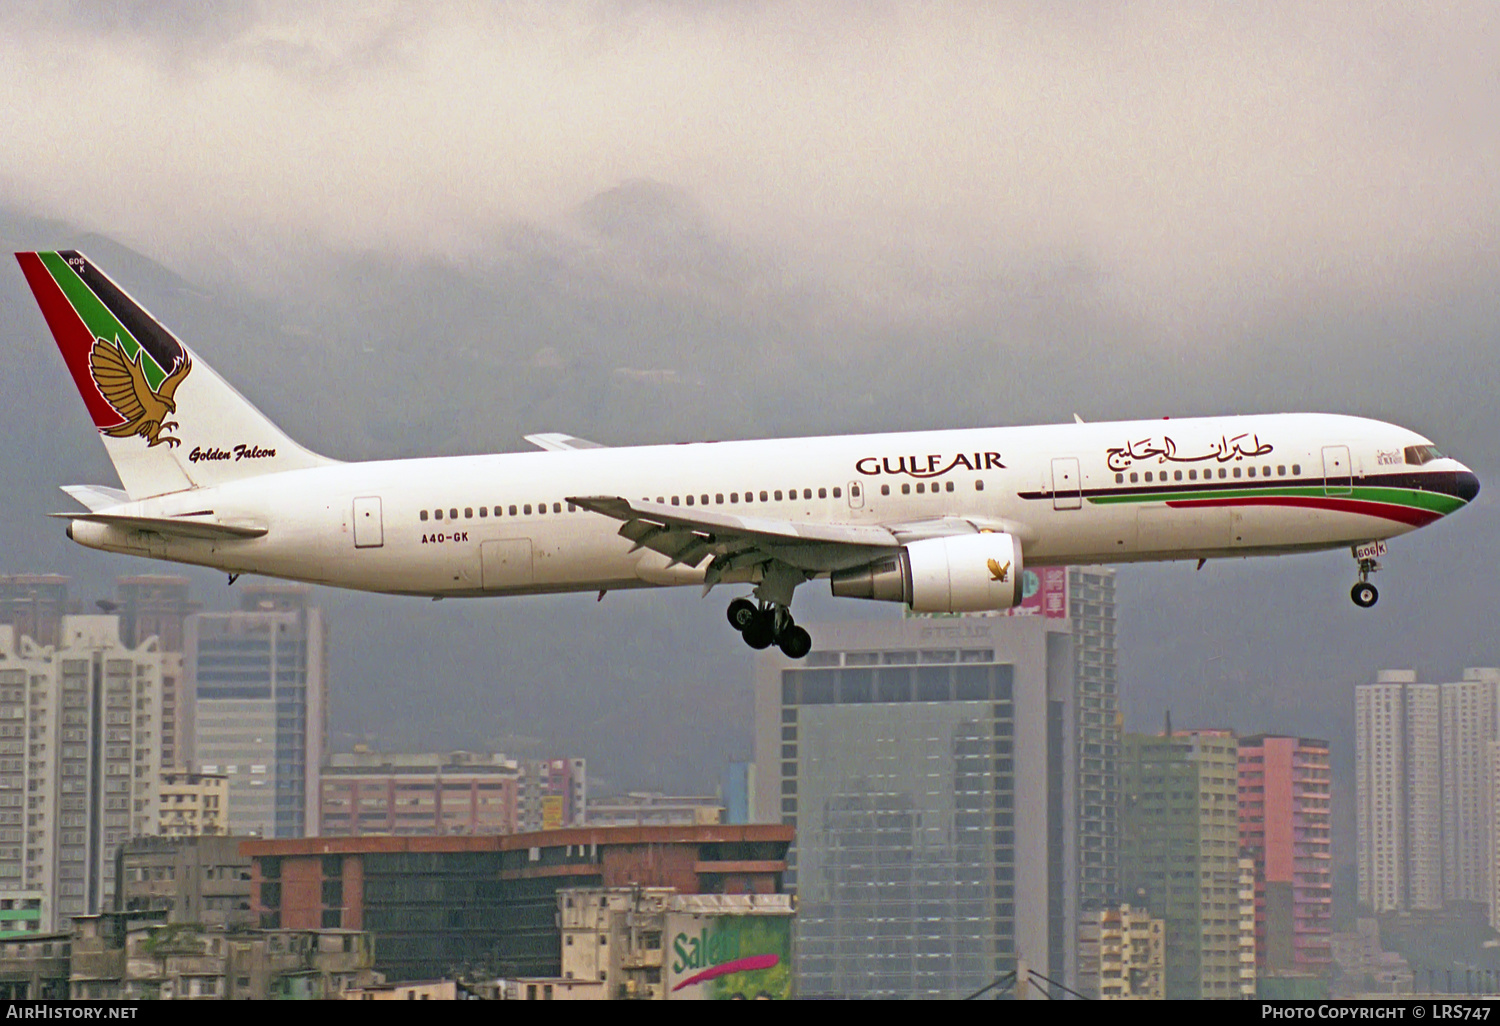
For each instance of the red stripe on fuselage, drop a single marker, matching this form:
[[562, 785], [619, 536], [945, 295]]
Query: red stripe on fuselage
[[1384, 510], [72, 335]]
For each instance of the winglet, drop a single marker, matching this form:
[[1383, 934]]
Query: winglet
[[556, 441]]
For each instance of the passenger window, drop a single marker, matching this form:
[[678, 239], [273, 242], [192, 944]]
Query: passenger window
[[950, 486], [838, 493], [705, 500], [1119, 479], [778, 494], [557, 507], [906, 489], [675, 502], [807, 493], [1176, 475], [437, 514], [1265, 471], [1281, 471], [422, 515], [572, 508], [541, 508], [513, 511], [453, 514], [853, 490], [1148, 475], [763, 497], [885, 489], [979, 486], [734, 497], [822, 493], [1296, 468], [689, 500], [1134, 477], [484, 511], [921, 488], [1192, 475], [468, 512], [1236, 471], [1223, 473], [1252, 471], [660, 500], [526, 509]]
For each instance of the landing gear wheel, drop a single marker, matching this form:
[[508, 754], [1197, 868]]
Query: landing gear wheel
[[761, 630], [795, 642], [1364, 594], [741, 612]]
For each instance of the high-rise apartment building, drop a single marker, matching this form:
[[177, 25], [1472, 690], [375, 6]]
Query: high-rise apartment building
[[1398, 793], [1121, 955], [1284, 801], [1180, 856], [194, 804], [258, 677], [79, 759], [419, 794], [923, 763], [1470, 721], [1096, 733], [157, 605], [34, 605], [553, 793]]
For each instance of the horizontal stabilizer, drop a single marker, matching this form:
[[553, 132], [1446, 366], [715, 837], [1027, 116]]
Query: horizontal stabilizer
[[189, 525], [97, 497], [556, 441]]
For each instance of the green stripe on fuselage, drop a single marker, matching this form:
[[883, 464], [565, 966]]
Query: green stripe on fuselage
[[97, 318], [1436, 502]]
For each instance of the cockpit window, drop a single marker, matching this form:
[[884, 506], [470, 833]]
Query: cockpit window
[[1417, 455]]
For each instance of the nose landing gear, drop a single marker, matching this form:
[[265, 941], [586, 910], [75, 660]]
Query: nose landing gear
[[768, 623], [1364, 593]]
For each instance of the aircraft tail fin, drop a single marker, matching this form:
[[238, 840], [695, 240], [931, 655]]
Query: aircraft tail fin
[[167, 420]]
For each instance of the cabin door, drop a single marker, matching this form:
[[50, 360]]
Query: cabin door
[[1338, 479], [1067, 489]]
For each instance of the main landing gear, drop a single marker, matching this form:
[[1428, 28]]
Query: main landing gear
[[763, 624], [1364, 593]]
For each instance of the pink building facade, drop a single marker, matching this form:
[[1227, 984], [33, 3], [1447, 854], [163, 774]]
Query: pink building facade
[[1284, 785]]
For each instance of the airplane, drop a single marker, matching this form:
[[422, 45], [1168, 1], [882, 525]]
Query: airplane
[[941, 521]]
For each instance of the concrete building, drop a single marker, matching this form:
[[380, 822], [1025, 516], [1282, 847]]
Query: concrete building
[[193, 804], [201, 879], [419, 794], [1284, 803], [122, 956], [651, 808], [1470, 722], [481, 906], [1121, 955], [1180, 858], [924, 764], [1096, 733], [157, 606], [34, 605], [652, 943], [553, 793], [35, 967], [1398, 793], [79, 729], [259, 684]]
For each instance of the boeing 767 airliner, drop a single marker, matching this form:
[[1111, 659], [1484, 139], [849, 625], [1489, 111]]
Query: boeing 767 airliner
[[942, 521]]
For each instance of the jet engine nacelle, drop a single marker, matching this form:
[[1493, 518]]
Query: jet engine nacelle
[[966, 573]]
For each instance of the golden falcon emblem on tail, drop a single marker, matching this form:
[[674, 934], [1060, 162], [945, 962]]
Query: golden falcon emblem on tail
[[998, 571], [123, 383]]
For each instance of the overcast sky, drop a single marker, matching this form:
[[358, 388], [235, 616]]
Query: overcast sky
[[653, 221]]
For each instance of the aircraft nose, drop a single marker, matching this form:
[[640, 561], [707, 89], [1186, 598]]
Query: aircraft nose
[[1466, 485]]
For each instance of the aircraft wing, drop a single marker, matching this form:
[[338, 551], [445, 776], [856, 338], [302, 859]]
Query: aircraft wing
[[556, 441], [199, 524]]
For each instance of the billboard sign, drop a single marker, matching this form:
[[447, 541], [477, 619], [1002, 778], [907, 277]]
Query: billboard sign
[[729, 957]]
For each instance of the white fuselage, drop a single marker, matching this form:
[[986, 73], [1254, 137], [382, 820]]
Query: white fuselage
[[502, 524]]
